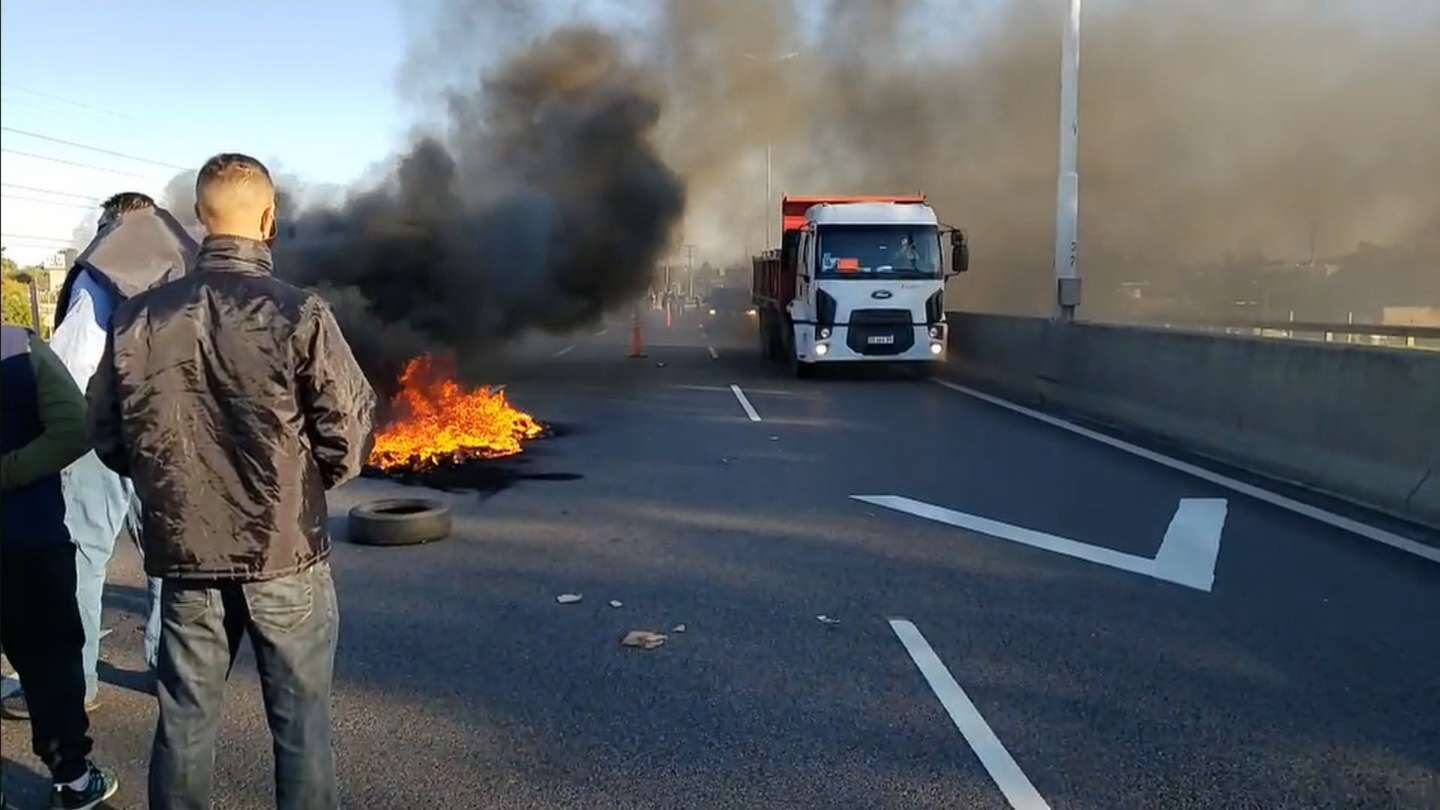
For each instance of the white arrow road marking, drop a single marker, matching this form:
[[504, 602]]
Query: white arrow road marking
[[1007, 775], [1339, 521], [1186, 556]]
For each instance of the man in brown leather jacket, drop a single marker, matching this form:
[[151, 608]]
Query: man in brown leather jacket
[[233, 402]]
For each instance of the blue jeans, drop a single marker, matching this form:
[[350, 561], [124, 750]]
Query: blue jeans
[[293, 623], [97, 505], [152, 623]]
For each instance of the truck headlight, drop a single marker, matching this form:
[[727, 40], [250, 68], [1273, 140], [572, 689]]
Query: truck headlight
[[712, 311], [824, 333], [936, 348], [821, 349], [936, 332]]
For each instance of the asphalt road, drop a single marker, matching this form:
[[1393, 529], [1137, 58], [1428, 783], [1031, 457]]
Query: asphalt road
[[1308, 676]]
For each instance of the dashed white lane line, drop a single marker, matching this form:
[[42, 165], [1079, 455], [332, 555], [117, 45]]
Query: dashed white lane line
[[1314, 512], [1002, 767], [564, 351], [714, 355], [745, 403], [602, 332]]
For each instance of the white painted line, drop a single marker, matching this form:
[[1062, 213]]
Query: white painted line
[[745, 403], [565, 351], [602, 332], [1272, 498], [1192, 543], [1002, 768], [1186, 557], [714, 355]]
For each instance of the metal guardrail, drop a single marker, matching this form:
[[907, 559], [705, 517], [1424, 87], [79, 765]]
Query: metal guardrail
[[1379, 334]]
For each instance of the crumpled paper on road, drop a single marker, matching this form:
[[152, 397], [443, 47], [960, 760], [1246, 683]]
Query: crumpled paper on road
[[643, 639]]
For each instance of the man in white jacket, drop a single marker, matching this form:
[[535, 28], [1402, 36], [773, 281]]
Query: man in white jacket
[[137, 246]]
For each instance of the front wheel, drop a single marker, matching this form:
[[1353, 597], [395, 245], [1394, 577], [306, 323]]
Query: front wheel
[[802, 371]]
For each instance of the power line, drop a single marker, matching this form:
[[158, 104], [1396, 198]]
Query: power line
[[102, 151], [75, 163], [63, 100], [43, 201], [51, 191], [55, 239]]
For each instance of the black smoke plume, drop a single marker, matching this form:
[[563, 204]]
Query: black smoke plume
[[542, 205]]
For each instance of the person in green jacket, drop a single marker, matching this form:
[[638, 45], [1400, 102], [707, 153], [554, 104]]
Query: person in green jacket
[[42, 430]]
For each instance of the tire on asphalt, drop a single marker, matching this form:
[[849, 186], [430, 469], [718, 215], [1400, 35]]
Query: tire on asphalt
[[399, 522]]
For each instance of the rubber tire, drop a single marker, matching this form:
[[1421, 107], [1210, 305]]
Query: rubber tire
[[378, 523], [802, 371]]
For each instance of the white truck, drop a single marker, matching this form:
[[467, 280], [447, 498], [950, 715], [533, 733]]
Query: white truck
[[856, 279]]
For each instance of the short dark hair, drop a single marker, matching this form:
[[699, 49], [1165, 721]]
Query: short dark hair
[[126, 201], [231, 166]]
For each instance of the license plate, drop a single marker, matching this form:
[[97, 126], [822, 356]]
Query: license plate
[[880, 340]]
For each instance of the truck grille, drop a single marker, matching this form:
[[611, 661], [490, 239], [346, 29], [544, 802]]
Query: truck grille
[[880, 331]]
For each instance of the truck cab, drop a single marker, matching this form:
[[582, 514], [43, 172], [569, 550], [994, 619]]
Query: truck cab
[[856, 279]]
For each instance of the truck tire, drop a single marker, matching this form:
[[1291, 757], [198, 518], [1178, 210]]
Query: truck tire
[[399, 522], [773, 346], [762, 326], [801, 370]]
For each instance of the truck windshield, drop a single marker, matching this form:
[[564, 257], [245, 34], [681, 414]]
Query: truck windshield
[[879, 251]]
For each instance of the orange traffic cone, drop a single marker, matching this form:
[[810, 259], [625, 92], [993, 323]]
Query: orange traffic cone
[[637, 339]]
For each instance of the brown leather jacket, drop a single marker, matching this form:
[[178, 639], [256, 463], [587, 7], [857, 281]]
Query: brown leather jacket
[[233, 402]]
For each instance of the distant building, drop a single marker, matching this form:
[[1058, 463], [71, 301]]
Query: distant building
[[49, 278]]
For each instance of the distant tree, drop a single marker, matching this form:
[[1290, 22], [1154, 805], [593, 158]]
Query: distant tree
[[16, 300]]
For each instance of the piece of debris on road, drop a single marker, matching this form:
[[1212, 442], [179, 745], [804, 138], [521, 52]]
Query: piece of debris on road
[[679, 628], [643, 639], [615, 603], [830, 620], [569, 598]]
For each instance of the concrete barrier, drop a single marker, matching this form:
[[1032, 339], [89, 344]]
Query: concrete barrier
[[1358, 422]]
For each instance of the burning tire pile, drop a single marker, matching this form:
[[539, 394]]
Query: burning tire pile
[[443, 436]]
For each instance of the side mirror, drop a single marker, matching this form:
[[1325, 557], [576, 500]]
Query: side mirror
[[959, 252]]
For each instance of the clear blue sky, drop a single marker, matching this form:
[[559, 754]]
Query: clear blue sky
[[307, 86]]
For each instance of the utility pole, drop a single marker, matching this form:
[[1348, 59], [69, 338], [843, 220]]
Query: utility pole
[[765, 210], [690, 266], [1067, 196]]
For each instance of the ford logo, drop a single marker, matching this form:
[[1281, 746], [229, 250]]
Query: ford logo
[[882, 294]]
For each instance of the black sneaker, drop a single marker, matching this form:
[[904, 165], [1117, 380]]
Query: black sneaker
[[99, 786]]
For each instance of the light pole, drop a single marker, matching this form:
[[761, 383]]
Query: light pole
[[765, 209], [765, 215], [1067, 195]]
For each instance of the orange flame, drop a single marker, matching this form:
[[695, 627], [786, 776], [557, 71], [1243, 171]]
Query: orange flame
[[441, 421]]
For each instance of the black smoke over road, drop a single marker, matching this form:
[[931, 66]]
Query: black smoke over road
[[1268, 131], [542, 205]]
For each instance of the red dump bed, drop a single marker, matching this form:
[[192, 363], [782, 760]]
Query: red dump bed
[[774, 281]]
